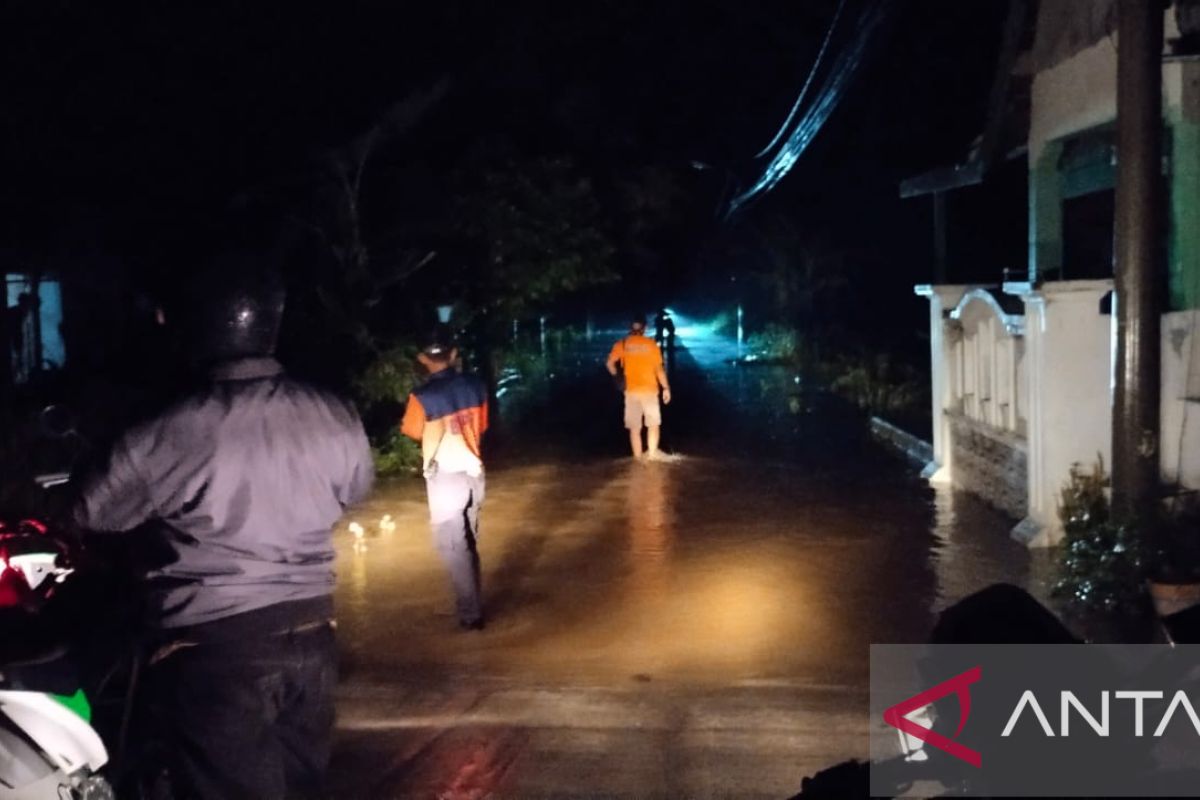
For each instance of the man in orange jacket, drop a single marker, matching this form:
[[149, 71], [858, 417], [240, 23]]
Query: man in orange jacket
[[448, 415], [642, 363]]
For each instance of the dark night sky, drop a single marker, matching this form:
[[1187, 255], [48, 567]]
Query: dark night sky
[[125, 120]]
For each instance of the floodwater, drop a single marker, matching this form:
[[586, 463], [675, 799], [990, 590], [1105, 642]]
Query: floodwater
[[692, 628]]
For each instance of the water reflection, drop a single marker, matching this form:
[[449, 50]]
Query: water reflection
[[705, 569], [715, 588], [356, 584], [965, 561], [467, 763], [651, 527]]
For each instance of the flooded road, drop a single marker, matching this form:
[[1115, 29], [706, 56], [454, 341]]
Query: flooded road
[[692, 628]]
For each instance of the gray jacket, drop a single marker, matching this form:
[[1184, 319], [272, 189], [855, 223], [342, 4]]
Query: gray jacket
[[246, 478]]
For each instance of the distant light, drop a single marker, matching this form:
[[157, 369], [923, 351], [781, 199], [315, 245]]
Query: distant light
[[444, 313]]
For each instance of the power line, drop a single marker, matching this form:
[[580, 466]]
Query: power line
[[818, 113], [812, 74]]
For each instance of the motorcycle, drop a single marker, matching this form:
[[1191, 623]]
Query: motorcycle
[[48, 748], [49, 744]]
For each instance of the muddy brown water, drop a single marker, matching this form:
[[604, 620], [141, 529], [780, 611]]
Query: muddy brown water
[[699, 627]]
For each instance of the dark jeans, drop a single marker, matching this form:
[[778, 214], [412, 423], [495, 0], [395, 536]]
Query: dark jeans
[[248, 717]]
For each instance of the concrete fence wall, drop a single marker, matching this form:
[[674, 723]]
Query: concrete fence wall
[[1020, 398], [990, 463]]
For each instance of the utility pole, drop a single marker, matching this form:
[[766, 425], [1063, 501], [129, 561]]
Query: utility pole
[[1140, 235]]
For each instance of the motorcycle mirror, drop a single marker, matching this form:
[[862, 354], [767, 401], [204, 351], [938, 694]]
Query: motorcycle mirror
[[57, 421]]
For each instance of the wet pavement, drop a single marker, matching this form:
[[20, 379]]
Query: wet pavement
[[692, 628]]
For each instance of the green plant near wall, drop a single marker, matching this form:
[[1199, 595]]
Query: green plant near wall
[[877, 383], [1104, 563], [385, 383]]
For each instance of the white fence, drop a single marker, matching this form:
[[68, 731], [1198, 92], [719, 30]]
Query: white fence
[[987, 362]]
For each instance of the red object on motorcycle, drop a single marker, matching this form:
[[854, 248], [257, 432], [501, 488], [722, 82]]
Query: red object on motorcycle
[[14, 589], [29, 536], [25, 526]]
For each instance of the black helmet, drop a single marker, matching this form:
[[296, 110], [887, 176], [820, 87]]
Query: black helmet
[[440, 343], [235, 307]]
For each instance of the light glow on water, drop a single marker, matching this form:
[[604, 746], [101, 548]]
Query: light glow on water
[[689, 329]]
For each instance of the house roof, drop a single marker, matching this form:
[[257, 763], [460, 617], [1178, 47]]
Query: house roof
[[1006, 127], [1064, 28]]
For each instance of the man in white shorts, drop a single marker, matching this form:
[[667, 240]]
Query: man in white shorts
[[641, 363]]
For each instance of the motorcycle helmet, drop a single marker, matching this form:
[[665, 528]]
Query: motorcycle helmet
[[235, 307]]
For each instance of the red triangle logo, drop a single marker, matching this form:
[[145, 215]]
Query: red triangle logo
[[959, 685]]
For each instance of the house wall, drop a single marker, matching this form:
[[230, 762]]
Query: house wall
[[1181, 399], [1064, 377], [1183, 115], [1069, 372], [990, 463], [1080, 93]]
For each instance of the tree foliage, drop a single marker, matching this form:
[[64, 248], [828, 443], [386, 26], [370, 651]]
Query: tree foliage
[[800, 271], [542, 233], [357, 249]]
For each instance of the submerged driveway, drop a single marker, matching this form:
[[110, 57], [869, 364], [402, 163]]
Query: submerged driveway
[[694, 628]]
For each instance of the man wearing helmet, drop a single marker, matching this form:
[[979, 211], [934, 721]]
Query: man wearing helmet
[[243, 479]]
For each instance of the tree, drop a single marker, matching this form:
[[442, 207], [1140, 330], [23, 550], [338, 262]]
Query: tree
[[541, 230], [801, 273], [659, 222], [365, 255]]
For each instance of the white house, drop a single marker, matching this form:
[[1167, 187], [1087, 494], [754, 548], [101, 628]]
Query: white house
[[1022, 370]]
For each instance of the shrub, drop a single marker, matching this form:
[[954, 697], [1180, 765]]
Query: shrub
[[523, 359], [1104, 563], [776, 343], [396, 455], [877, 383], [390, 376], [381, 389]]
